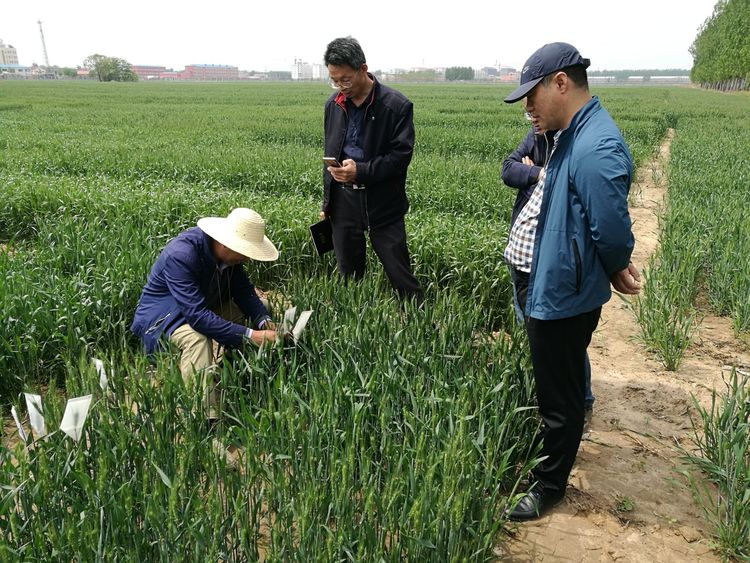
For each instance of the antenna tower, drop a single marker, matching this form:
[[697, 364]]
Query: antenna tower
[[44, 45]]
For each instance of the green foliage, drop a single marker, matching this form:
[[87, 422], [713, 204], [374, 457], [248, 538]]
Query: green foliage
[[350, 450], [459, 73], [110, 69], [722, 439], [704, 231], [721, 51], [386, 434], [426, 75], [381, 436]]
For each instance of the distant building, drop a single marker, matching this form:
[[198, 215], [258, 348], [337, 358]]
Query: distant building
[[509, 77], [252, 75], [319, 72], [211, 72], [301, 70], [172, 75], [306, 71], [279, 75], [602, 79], [670, 80], [8, 54], [148, 72]]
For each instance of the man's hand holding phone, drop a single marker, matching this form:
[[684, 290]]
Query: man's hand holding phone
[[346, 173]]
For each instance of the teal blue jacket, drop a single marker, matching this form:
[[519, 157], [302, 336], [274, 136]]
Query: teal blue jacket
[[584, 233]]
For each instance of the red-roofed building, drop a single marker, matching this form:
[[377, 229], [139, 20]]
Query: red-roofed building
[[211, 72], [146, 72]]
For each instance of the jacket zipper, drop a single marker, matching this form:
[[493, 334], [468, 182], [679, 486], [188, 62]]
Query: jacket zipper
[[154, 327]]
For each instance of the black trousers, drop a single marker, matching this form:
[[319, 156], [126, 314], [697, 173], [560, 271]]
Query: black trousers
[[349, 223], [558, 357]]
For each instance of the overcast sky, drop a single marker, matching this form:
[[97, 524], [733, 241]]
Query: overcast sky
[[269, 35]]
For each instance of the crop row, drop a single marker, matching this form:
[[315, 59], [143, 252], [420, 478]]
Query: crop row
[[705, 231]]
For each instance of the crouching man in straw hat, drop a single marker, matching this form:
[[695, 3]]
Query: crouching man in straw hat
[[199, 297]]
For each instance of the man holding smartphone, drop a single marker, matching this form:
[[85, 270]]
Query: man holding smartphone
[[369, 130]]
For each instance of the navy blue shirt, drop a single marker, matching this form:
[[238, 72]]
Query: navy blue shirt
[[352, 145]]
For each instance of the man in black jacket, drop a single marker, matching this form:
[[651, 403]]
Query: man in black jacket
[[369, 129]]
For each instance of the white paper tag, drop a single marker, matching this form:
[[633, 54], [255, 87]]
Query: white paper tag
[[101, 373], [21, 431], [286, 325], [301, 323], [36, 418], [75, 415]]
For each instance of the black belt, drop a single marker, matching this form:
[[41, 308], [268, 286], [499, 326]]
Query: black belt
[[353, 186]]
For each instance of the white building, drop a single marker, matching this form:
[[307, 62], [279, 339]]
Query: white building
[[319, 72], [8, 54], [306, 71], [302, 70]]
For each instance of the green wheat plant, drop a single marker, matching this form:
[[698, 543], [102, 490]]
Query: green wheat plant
[[722, 460]]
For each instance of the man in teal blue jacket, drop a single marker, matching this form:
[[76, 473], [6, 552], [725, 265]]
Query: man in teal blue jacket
[[570, 241]]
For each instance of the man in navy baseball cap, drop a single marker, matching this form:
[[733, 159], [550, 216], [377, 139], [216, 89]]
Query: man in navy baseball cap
[[546, 60], [569, 243]]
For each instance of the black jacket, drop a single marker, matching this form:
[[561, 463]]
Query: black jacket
[[517, 175], [388, 143]]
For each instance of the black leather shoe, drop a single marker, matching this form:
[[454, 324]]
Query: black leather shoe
[[533, 505]]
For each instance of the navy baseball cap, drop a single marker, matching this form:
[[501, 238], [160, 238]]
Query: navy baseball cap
[[546, 60]]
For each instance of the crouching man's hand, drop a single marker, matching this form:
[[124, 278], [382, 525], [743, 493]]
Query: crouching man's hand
[[260, 337]]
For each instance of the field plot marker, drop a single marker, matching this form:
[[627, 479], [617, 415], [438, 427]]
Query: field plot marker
[[288, 321], [36, 418], [75, 415], [99, 365], [301, 323]]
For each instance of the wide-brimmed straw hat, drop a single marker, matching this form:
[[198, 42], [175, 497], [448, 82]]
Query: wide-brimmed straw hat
[[243, 231]]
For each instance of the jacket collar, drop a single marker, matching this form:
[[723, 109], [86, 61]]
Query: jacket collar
[[583, 114]]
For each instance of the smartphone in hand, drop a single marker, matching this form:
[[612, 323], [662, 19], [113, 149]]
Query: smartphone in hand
[[330, 161]]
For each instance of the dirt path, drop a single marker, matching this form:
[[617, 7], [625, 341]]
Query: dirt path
[[625, 501]]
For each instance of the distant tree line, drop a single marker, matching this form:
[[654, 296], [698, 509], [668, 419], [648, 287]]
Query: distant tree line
[[426, 75], [459, 73], [110, 69], [721, 51]]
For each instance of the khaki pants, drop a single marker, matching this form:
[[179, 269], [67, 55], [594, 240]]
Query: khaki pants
[[200, 355]]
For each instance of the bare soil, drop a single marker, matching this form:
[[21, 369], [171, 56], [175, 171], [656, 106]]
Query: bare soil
[[626, 502]]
